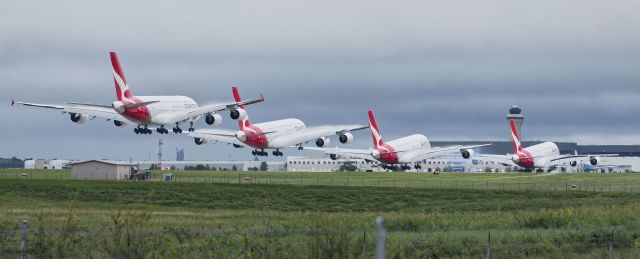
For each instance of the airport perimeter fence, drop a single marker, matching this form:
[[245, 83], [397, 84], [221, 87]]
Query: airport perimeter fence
[[25, 241], [417, 180]]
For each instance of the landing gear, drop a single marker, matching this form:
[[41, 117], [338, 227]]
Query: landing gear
[[405, 167], [191, 129], [277, 153], [300, 146], [162, 130], [177, 129], [259, 153], [140, 130], [417, 166]]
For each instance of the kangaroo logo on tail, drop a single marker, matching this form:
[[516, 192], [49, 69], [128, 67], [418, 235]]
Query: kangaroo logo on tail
[[122, 89], [375, 132], [517, 147]]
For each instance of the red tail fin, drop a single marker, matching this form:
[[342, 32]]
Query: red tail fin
[[375, 131], [517, 146], [243, 121], [122, 89]]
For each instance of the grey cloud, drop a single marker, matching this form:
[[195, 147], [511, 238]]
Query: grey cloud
[[446, 69]]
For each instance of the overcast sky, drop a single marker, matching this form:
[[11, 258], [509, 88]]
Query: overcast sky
[[446, 69]]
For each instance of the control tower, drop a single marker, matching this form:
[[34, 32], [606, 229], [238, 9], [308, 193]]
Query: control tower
[[515, 115]]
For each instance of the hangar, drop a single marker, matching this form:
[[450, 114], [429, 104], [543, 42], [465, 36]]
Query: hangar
[[102, 170]]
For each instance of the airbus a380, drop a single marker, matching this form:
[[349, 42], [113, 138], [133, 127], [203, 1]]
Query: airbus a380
[[145, 111], [410, 150], [276, 135], [541, 156]]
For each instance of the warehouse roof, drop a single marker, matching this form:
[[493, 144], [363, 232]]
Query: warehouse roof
[[111, 162]]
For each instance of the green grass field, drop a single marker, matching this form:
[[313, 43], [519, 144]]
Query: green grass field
[[324, 217], [610, 182]]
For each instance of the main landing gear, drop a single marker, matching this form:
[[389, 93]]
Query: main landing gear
[[177, 129], [162, 130], [259, 153], [140, 130], [277, 153], [417, 166], [191, 129]]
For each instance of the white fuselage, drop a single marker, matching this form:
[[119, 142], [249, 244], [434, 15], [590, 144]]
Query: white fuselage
[[160, 113], [417, 143], [536, 156], [274, 133]]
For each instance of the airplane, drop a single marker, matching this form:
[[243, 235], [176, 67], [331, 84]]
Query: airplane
[[413, 149], [536, 157], [275, 135], [143, 110]]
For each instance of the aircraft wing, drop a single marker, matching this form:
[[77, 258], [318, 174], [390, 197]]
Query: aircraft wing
[[217, 135], [174, 117], [502, 159], [421, 154], [558, 160], [92, 110], [313, 133], [345, 152]]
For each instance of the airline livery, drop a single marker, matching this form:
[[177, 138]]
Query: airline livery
[[410, 150], [276, 135], [145, 111], [541, 156]]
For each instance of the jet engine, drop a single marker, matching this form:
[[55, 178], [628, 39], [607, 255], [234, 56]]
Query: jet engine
[[323, 142], [213, 119], [238, 114], [573, 163], [594, 160], [120, 124], [118, 106], [200, 141], [240, 135], [334, 156], [79, 118], [346, 138], [467, 153]]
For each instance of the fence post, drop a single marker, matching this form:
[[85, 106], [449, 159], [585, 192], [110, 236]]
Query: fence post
[[489, 245], [381, 238], [23, 243], [611, 245]]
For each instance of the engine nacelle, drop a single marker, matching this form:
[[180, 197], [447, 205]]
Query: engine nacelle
[[323, 142], [240, 135], [238, 114], [594, 160], [118, 106], [79, 118], [213, 119], [573, 163], [334, 156], [346, 138], [467, 153], [120, 124], [200, 141]]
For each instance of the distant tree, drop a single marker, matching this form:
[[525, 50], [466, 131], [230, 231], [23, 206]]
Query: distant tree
[[207, 167], [173, 167], [213, 168], [487, 170], [152, 167], [234, 168], [199, 167], [264, 166]]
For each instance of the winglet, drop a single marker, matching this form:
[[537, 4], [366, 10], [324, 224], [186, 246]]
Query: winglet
[[261, 97]]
